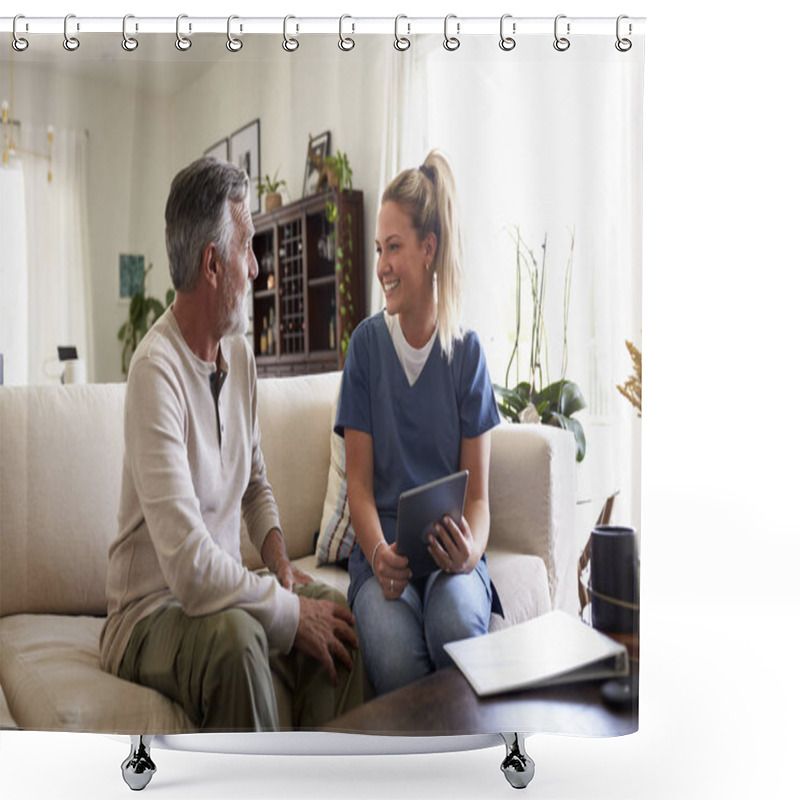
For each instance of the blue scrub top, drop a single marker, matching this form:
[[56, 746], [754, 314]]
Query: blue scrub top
[[416, 430]]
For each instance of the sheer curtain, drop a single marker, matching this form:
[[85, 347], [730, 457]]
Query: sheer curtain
[[549, 144], [59, 299]]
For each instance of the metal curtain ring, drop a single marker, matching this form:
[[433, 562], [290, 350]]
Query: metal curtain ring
[[506, 42], [17, 42], [346, 43], [233, 44], [623, 45], [129, 43], [451, 43], [290, 44], [70, 42], [561, 43], [181, 42], [400, 42]]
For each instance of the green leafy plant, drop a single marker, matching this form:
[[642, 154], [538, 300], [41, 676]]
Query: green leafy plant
[[341, 180], [554, 403], [270, 184], [142, 313]]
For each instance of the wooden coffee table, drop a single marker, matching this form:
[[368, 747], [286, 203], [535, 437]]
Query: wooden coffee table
[[444, 704]]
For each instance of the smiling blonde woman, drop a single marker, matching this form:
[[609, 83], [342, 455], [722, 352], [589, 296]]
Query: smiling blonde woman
[[416, 404]]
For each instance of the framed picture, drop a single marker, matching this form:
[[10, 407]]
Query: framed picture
[[220, 150], [246, 153], [131, 275], [320, 146]]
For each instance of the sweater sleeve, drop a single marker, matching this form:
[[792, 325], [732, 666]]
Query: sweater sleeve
[[203, 577]]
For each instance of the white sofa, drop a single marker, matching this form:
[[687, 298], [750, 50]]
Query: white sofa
[[60, 469]]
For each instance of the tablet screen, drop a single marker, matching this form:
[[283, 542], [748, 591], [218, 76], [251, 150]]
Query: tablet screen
[[419, 509]]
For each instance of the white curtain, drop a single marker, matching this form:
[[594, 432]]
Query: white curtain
[[550, 144], [59, 298], [13, 277]]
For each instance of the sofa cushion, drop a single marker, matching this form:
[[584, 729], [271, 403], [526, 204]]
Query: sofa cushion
[[294, 415], [336, 535], [50, 673], [60, 477]]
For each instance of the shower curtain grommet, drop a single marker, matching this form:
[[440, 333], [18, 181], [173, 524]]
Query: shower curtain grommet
[[289, 44], [233, 44], [507, 43], [129, 43], [182, 43], [401, 43], [346, 43], [561, 43], [623, 44], [451, 43], [71, 43], [17, 42]]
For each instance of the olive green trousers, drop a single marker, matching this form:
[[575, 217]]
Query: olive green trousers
[[220, 669]]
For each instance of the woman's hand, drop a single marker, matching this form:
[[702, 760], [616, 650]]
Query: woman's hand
[[392, 571], [453, 547]]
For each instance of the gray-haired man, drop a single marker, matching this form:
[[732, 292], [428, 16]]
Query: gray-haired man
[[185, 616]]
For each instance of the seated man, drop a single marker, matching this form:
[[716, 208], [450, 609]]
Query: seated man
[[185, 617]]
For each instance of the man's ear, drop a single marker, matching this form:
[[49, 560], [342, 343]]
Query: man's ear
[[210, 265]]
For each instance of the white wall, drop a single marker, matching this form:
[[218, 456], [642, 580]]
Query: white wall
[[141, 134]]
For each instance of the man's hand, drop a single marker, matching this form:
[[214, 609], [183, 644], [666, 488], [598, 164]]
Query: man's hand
[[322, 632], [290, 576]]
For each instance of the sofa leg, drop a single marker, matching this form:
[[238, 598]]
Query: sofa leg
[[518, 766], [138, 768]]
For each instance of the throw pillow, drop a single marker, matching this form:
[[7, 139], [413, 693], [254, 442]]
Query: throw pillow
[[336, 535]]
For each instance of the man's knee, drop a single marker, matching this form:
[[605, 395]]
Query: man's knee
[[235, 637]]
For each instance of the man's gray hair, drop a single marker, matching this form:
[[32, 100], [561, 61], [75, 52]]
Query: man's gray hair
[[198, 212]]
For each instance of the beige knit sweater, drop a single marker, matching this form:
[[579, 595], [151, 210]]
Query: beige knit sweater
[[192, 467]]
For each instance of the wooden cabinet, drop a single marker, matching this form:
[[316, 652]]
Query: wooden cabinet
[[309, 293]]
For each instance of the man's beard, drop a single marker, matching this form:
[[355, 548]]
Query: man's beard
[[234, 321]]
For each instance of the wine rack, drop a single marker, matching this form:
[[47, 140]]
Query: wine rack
[[308, 295]]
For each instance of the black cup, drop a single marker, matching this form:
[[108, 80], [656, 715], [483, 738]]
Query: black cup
[[614, 579]]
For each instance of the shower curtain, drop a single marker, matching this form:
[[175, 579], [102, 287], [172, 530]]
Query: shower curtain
[[544, 133]]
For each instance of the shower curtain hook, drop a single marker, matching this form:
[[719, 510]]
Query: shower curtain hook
[[290, 44], [346, 43], [561, 43], [70, 42], [507, 43], [129, 43], [181, 41], [17, 42], [451, 43], [233, 44], [623, 45], [401, 42]]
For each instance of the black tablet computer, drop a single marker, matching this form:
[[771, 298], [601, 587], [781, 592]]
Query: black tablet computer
[[419, 509]]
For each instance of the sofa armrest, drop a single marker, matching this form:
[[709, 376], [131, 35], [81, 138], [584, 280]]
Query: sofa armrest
[[532, 496]]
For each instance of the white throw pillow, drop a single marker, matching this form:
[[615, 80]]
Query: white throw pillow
[[336, 535]]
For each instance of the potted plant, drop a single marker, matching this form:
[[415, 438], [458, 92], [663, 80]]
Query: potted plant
[[142, 313], [531, 400], [271, 186]]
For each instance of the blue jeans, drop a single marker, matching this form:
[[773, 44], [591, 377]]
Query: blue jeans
[[403, 640]]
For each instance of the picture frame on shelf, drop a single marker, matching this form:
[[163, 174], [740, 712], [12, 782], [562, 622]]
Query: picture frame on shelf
[[246, 154], [220, 150], [320, 146]]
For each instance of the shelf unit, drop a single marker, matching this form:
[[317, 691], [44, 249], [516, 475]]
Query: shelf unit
[[309, 293]]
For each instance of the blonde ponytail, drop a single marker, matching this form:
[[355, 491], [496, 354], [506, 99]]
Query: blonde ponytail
[[428, 194]]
